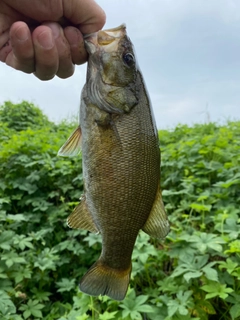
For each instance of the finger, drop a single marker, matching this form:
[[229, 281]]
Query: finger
[[46, 53], [43, 10], [5, 46], [4, 37], [86, 14], [76, 44], [22, 55], [65, 66]]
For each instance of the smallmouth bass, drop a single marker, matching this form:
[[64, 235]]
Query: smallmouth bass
[[120, 159]]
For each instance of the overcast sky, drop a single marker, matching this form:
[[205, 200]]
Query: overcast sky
[[188, 51]]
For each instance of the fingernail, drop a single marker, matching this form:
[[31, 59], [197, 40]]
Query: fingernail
[[74, 38], [45, 39], [21, 34], [55, 29]]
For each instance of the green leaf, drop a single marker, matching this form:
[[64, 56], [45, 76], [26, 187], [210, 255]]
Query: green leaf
[[82, 317], [228, 183], [46, 260], [4, 200], [18, 217], [145, 308], [181, 304], [216, 289], [12, 257], [37, 313], [21, 274], [141, 300], [6, 238], [183, 310], [206, 306], [107, 315], [26, 314], [235, 311], [200, 207], [172, 307], [6, 304], [209, 272], [229, 265], [191, 275], [203, 241], [32, 308], [40, 295], [234, 247], [193, 268], [66, 285], [22, 242], [133, 305]]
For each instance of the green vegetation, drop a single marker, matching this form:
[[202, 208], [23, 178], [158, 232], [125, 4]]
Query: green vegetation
[[193, 274]]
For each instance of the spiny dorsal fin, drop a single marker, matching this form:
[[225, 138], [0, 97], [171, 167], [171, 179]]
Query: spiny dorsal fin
[[81, 218], [157, 224], [73, 144]]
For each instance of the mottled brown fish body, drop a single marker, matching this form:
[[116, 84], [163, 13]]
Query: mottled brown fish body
[[121, 161]]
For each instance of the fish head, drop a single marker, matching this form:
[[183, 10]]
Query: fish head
[[112, 71], [111, 54]]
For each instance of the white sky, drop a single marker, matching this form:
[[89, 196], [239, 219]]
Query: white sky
[[188, 51]]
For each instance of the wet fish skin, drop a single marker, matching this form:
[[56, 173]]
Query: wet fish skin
[[121, 161]]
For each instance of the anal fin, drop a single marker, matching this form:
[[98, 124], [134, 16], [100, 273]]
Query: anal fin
[[73, 144], [157, 224], [81, 218]]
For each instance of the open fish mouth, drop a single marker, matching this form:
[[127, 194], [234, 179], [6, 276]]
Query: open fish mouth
[[108, 38]]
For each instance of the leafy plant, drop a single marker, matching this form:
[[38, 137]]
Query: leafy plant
[[193, 274]]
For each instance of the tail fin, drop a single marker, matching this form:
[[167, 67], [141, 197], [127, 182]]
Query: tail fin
[[103, 280]]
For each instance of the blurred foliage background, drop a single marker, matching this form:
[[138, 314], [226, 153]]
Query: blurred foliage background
[[193, 274]]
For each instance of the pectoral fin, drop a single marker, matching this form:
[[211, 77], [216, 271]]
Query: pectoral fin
[[73, 144], [157, 224], [81, 218]]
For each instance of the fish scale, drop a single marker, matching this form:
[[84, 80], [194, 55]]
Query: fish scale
[[120, 161]]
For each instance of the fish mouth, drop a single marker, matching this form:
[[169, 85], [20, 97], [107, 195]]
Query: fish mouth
[[107, 39]]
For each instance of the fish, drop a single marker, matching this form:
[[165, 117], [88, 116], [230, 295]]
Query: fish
[[118, 138]]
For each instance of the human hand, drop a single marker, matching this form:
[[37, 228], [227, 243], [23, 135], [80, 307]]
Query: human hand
[[46, 37]]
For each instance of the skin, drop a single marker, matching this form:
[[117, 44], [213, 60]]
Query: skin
[[46, 37]]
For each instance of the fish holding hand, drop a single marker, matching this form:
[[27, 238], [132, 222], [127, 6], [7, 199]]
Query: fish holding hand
[[120, 160]]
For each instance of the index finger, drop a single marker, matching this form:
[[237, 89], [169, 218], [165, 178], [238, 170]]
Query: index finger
[[86, 14]]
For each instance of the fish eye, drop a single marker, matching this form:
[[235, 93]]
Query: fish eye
[[128, 58]]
